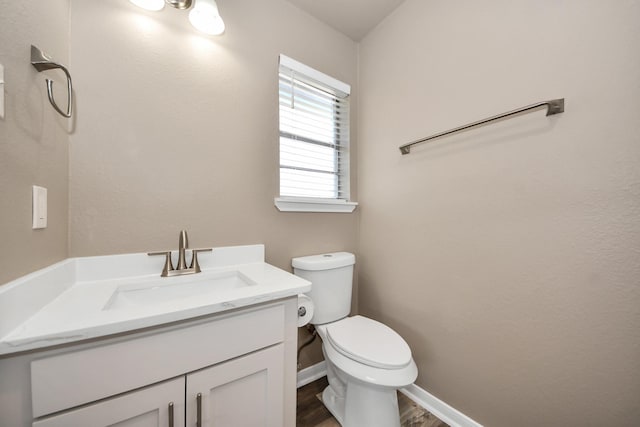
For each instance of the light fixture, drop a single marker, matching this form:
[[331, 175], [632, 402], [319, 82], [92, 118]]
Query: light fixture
[[180, 4], [149, 4], [205, 17]]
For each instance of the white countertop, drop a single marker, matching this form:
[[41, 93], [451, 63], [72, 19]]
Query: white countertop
[[73, 299]]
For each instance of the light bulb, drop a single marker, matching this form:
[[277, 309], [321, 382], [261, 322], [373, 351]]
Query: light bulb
[[205, 17], [149, 4]]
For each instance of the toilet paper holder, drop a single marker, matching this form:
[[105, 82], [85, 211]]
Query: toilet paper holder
[[305, 310]]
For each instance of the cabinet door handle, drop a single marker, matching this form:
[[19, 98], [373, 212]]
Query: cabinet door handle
[[170, 414], [199, 411]]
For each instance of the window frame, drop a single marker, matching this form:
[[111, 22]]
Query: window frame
[[315, 204]]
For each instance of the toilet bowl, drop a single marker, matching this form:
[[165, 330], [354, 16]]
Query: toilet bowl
[[366, 360], [366, 363]]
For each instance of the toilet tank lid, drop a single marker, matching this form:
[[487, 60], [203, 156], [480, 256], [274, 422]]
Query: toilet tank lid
[[324, 261]]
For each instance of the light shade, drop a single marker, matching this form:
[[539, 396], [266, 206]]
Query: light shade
[[205, 17], [149, 4]]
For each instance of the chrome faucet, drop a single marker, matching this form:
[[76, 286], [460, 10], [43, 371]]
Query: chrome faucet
[[183, 245]]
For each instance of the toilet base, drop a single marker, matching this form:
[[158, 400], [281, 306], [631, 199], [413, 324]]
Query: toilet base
[[363, 405], [334, 404]]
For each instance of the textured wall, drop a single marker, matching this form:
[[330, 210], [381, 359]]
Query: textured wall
[[33, 137], [508, 257], [176, 130]]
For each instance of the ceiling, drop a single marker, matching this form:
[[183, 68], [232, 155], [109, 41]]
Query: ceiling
[[355, 18]]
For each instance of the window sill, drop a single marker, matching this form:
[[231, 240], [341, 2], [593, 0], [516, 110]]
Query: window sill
[[314, 205]]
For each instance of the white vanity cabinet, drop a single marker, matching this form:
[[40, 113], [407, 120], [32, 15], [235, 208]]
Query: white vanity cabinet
[[247, 391], [104, 341], [235, 368], [161, 405]]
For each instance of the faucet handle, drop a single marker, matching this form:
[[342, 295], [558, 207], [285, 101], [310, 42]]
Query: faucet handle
[[194, 258], [168, 265]]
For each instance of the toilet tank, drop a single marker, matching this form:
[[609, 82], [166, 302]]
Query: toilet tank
[[331, 277]]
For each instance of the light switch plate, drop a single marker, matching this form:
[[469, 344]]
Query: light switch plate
[[39, 207], [1, 92]]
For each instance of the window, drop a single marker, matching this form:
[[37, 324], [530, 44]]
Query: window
[[314, 140]]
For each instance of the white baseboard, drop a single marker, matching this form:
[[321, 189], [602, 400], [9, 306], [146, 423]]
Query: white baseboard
[[437, 407], [312, 373]]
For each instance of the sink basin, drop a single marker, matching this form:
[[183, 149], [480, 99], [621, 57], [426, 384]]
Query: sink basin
[[176, 289], [93, 297]]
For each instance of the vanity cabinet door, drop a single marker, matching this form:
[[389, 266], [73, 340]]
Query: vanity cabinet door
[[247, 391], [147, 407]]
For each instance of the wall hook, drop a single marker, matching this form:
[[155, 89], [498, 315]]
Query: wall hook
[[43, 62]]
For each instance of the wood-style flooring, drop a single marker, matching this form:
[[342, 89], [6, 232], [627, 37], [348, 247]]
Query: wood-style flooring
[[312, 413]]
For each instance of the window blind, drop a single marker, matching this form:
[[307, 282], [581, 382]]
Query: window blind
[[314, 133]]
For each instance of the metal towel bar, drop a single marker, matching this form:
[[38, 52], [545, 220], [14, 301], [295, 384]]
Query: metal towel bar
[[42, 62], [555, 106]]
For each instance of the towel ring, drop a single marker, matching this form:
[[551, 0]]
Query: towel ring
[[42, 62]]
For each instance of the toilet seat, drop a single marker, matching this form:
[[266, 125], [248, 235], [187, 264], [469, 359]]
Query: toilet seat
[[369, 342], [392, 378]]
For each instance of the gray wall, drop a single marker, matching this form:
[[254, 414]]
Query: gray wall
[[508, 257], [173, 131], [176, 130], [33, 137]]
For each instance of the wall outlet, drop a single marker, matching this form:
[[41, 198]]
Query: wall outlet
[[39, 210]]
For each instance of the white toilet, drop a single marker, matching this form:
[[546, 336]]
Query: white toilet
[[366, 360]]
